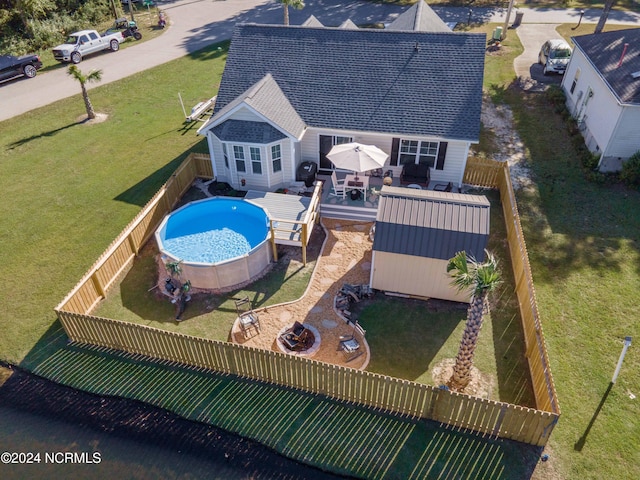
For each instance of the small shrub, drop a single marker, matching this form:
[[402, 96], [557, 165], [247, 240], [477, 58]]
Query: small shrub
[[630, 173], [589, 159], [578, 143], [572, 126], [556, 96]]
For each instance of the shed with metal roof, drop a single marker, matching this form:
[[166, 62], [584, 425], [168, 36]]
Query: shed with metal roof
[[417, 232]]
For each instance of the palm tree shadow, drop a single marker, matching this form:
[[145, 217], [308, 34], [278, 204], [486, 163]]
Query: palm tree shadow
[[50, 133]]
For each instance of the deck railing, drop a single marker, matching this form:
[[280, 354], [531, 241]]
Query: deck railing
[[488, 417]]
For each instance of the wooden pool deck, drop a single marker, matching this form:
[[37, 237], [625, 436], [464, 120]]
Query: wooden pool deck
[[291, 217]]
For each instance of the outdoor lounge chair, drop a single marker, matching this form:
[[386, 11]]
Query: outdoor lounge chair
[[248, 319], [441, 187], [351, 347], [338, 186]]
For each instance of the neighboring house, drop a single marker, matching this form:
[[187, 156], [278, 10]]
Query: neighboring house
[[418, 232], [290, 93], [602, 84], [420, 18]]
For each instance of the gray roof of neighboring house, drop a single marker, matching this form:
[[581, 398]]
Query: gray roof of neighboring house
[[312, 21], [604, 51], [420, 17], [364, 80], [431, 224], [348, 23], [266, 98], [247, 132]]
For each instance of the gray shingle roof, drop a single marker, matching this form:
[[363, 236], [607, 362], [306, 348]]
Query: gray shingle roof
[[431, 224], [266, 98], [372, 80], [249, 132], [604, 51], [420, 17]]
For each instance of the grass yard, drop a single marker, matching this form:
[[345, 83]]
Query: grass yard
[[74, 187], [584, 251], [207, 315], [583, 247]]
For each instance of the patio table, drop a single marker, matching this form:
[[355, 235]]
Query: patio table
[[361, 184]]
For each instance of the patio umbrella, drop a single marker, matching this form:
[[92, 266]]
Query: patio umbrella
[[357, 157]]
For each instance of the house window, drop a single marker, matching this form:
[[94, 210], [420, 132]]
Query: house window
[[256, 163], [276, 158], [238, 154], [338, 140], [414, 151], [575, 81], [326, 143], [225, 154]]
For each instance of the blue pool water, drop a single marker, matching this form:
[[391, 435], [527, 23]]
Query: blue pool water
[[214, 230]]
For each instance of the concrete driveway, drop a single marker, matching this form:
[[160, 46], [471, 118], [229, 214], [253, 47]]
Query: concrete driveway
[[526, 65]]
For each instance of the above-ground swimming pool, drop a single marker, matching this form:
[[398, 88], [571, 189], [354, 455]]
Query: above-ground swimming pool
[[220, 242]]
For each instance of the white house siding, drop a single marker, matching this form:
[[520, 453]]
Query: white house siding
[[245, 114], [411, 275], [454, 164], [217, 159], [625, 140], [265, 181], [606, 125]]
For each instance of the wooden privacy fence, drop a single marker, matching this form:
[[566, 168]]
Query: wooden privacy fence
[[492, 174], [119, 256], [373, 390], [488, 417]]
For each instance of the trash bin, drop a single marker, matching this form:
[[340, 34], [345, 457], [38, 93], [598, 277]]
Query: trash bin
[[518, 20], [307, 173], [497, 33]]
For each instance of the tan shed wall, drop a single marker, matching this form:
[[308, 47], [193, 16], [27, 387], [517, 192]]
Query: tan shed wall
[[421, 276]]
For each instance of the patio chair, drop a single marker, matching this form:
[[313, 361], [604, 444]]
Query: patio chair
[[351, 347], [339, 188], [248, 319], [441, 187]]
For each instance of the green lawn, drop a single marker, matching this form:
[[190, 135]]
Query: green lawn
[[71, 188], [584, 251]]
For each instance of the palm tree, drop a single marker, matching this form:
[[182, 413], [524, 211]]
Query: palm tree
[[608, 5], [93, 76], [482, 278], [174, 268], [297, 4]]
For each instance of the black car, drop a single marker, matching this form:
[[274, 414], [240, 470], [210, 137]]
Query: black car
[[26, 65]]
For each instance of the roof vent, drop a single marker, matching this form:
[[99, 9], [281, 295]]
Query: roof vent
[[416, 47], [624, 50], [636, 74]]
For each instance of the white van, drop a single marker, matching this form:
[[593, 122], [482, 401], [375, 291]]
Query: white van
[[554, 56]]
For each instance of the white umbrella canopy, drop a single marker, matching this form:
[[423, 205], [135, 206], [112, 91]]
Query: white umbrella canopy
[[357, 157]]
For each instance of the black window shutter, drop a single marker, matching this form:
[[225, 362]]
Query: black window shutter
[[442, 152], [395, 147]]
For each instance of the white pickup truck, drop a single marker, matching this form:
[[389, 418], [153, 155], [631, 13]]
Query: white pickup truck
[[85, 42]]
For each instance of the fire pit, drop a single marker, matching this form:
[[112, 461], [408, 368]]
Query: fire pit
[[299, 339]]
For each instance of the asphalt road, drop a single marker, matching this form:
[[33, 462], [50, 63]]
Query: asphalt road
[[195, 24]]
